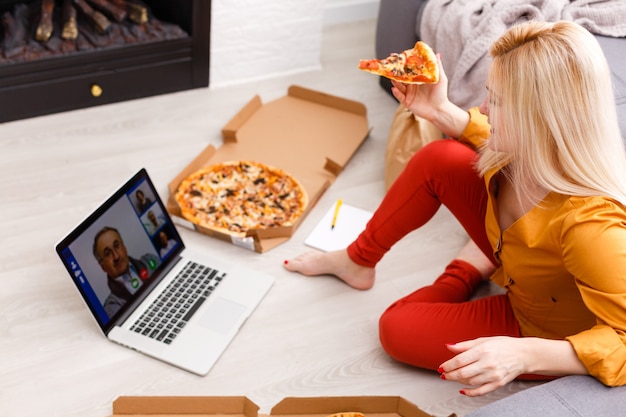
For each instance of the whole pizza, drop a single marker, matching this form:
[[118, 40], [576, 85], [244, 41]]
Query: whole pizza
[[412, 66], [235, 197]]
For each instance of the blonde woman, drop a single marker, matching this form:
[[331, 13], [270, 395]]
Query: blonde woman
[[540, 187]]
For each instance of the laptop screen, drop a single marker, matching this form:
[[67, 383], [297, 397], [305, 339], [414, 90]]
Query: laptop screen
[[119, 250]]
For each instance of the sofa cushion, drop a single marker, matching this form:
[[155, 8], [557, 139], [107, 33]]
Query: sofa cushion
[[577, 396], [614, 51]]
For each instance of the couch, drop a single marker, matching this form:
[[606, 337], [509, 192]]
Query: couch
[[398, 28]]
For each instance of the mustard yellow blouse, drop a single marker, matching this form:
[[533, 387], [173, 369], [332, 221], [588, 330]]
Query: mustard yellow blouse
[[563, 265]]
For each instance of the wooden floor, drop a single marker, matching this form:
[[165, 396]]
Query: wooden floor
[[309, 336]]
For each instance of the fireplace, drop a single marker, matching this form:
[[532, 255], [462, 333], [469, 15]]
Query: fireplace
[[125, 60]]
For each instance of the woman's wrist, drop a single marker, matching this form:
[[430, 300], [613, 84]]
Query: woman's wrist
[[551, 357], [451, 119]]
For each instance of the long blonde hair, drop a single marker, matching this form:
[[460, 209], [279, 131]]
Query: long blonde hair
[[556, 113]]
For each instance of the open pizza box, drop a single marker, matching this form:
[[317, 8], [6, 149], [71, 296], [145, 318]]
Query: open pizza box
[[309, 134], [369, 406]]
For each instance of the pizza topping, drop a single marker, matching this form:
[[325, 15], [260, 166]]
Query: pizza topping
[[236, 197]]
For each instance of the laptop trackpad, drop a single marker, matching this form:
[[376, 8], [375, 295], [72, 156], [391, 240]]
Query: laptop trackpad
[[222, 315]]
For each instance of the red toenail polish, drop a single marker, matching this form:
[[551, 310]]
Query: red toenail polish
[[286, 262], [462, 392], [442, 376], [440, 370]]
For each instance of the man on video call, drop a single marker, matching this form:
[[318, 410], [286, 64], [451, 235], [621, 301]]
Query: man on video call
[[125, 275]]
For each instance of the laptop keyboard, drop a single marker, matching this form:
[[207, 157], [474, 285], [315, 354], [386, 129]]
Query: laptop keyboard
[[169, 313]]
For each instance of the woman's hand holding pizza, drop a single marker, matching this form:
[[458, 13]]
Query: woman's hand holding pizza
[[423, 100], [430, 102]]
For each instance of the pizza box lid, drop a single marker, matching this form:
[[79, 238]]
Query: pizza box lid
[[307, 133], [179, 406]]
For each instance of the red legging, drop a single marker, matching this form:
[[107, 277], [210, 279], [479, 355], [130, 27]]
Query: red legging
[[416, 328]]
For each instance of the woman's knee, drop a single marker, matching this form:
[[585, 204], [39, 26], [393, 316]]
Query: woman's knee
[[443, 153], [398, 336], [391, 335], [411, 333]]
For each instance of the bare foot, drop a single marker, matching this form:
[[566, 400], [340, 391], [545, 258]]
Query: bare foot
[[472, 254], [333, 263]]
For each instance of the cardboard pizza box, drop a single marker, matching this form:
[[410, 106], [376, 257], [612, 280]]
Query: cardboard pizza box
[[370, 406], [309, 134], [185, 406]]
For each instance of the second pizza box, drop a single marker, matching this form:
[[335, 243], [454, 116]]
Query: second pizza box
[[309, 134], [369, 406]]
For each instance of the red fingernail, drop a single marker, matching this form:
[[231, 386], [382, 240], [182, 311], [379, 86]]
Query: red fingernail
[[442, 376], [462, 392], [286, 262], [440, 370]]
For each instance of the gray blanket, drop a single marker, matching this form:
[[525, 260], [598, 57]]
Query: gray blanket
[[463, 30]]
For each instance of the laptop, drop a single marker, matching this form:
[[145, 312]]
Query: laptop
[[147, 291]]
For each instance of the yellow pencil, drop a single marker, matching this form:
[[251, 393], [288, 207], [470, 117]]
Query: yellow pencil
[[339, 202]]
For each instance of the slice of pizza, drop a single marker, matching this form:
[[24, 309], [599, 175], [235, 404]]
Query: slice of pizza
[[412, 66]]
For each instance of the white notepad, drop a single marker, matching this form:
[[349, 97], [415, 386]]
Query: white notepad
[[350, 223]]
